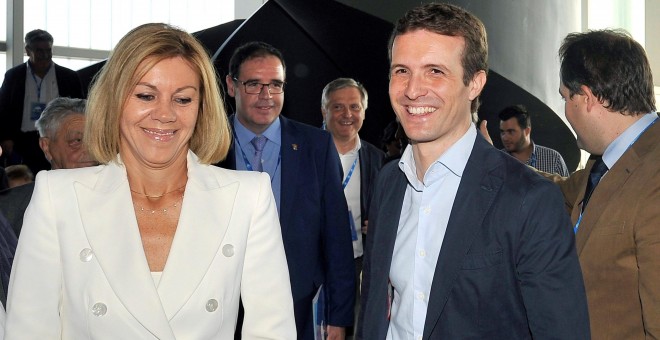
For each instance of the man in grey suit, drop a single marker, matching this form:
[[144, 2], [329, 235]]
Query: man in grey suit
[[60, 129], [464, 241]]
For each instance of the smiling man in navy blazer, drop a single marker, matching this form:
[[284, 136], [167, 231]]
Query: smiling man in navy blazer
[[465, 242], [306, 179]]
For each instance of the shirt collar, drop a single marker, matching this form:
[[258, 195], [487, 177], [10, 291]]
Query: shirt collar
[[615, 150], [454, 159], [355, 150], [273, 132]]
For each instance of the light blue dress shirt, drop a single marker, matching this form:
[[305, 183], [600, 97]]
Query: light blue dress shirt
[[615, 150], [271, 161], [425, 213]]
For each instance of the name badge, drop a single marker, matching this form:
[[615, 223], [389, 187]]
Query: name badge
[[352, 225], [36, 109]]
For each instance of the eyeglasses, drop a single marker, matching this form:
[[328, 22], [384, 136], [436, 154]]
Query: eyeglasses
[[255, 87]]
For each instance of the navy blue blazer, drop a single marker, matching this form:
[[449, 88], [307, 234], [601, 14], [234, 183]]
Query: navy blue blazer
[[507, 269], [12, 94], [371, 160], [315, 225], [14, 202]]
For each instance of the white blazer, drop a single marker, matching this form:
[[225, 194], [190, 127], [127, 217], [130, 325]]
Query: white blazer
[[80, 271]]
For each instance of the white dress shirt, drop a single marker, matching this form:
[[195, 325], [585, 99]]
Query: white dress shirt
[[352, 193]]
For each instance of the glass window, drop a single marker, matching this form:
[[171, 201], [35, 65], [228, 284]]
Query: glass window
[[626, 14], [99, 24]]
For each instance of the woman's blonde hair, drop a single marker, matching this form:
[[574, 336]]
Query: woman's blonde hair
[[154, 42]]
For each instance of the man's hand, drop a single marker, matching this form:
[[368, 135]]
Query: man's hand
[[364, 227], [483, 128], [336, 333]]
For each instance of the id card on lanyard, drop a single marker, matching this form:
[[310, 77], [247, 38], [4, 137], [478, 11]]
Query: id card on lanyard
[[351, 221], [37, 107]]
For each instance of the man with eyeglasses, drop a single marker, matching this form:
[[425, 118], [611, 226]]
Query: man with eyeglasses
[[306, 179]]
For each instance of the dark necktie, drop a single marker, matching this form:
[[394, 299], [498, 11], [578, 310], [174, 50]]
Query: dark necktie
[[597, 171], [258, 142]]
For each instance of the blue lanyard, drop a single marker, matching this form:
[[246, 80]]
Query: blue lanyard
[[248, 166], [38, 84], [350, 173], [577, 224]]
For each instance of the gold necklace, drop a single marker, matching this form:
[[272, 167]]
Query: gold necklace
[[158, 196], [161, 210]]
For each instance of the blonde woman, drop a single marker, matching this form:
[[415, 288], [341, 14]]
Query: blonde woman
[[154, 243]]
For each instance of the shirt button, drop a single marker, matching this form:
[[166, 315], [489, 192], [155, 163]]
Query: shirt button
[[86, 255], [228, 250], [427, 210], [422, 253], [99, 309], [420, 296], [211, 305]]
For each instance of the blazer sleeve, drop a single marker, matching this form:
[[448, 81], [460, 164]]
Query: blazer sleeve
[[37, 256], [265, 285], [338, 246], [548, 268], [647, 238]]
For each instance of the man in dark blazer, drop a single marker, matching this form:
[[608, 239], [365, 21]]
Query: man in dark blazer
[[344, 102], [306, 178], [49, 81], [464, 242]]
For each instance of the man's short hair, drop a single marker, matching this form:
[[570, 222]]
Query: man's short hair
[[341, 83], [55, 112], [612, 65], [251, 50], [37, 35], [519, 112], [19, 172], [450, 20]]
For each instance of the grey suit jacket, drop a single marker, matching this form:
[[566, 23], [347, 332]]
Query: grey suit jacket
[[507, 268]]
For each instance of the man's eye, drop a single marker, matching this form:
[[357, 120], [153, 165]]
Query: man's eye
[[75, 143], [252, 84], [277, 85], [355, 107]]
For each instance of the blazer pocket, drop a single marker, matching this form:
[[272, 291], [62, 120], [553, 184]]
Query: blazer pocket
[[483, 260]]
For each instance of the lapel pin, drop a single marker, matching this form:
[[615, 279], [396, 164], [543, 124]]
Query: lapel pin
[[294, 147]]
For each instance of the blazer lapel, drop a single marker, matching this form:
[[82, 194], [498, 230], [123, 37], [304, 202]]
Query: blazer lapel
[[384, 216], [291, 167], [473, 200], [607, 188], [199, 235], [117, 246]]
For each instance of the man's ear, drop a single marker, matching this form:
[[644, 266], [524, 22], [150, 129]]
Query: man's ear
[[527, 131], [44, 144], [590, 98], [231, 89], [477, 84]]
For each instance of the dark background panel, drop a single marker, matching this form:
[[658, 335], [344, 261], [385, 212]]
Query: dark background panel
[[324, 39]]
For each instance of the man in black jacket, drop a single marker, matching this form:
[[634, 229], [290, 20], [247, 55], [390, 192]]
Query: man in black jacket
[[25, 91]]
